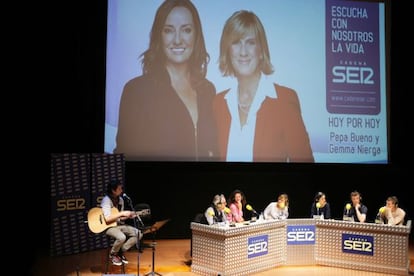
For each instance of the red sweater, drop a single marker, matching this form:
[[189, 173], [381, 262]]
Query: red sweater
[[280, 134]]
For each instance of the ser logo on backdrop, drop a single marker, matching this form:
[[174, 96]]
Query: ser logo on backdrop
[[300, 234], [257, 246], [358, 244], [70, 204]]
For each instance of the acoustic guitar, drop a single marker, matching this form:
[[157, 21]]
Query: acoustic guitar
[[96, 219]]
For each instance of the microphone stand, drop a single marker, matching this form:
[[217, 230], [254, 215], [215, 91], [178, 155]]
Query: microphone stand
[[136, 226], [255, 217]]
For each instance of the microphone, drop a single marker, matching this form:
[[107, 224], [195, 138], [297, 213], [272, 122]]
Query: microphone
[[212, 214], [228, 211], [126, 196], [378, 218], [250, 208], [347, 207], [318, 205], [346, 216], [136, 213]]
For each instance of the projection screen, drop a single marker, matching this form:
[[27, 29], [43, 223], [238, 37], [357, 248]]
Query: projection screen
[[334, 54]]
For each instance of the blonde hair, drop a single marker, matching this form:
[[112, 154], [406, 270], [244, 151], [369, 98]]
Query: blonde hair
[[285, 197], [238, 25]]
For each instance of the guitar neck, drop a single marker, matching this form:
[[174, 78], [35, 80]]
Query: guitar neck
[[143, 212]]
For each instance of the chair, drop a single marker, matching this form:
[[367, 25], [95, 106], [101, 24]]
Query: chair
[[200, 218]]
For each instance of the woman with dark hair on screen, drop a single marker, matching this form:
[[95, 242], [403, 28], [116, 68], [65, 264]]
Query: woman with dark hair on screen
[[258, 120], [166, 114]]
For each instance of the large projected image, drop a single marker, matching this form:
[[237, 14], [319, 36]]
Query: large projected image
[[247, 81]]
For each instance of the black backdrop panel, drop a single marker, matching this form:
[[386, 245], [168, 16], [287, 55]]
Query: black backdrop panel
[[70, 199], [77, 184]]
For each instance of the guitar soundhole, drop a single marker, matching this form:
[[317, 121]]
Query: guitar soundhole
[[100, 219]]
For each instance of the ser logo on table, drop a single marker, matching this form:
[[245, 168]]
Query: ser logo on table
[[257, 246], [300, 234], [357, 244]]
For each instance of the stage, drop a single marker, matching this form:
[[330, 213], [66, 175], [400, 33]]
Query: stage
[[171, 259]]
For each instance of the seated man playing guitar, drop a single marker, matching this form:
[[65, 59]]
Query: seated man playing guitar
[[124, 234]]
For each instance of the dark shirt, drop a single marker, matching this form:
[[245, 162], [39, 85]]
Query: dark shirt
[[155, 125], [352, 213], [325, 210]]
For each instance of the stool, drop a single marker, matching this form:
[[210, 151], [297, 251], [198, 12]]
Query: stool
[[106, 260]]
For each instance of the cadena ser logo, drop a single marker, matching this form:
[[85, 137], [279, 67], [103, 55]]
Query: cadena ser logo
[[300, 234], [358, 244], [70, 204], [257, 246]]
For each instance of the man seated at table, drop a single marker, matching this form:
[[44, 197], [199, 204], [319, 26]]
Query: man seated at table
[[392, 214]]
